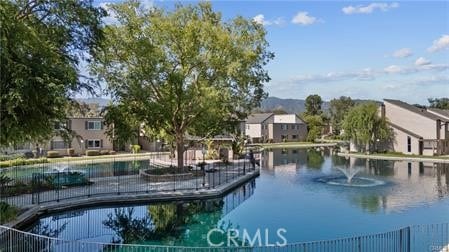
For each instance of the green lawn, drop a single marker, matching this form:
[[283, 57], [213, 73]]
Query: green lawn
[[292, 144], [401, 155]]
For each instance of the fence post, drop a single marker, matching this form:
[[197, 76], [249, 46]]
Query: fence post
[[57, 186], [174, 177], [408, 239], [359, 244], [88, 178], [213, 175], [219, 174], [114, 166]]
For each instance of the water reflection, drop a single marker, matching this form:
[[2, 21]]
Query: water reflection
[[177, 223], [288, 195], [399, 184]]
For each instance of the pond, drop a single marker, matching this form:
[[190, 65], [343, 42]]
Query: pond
[[308, 193]]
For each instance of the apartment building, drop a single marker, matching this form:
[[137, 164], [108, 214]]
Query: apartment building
[[416, 130], [268, 127]]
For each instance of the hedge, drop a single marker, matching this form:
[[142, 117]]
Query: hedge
[[52, 154], [71, 152], [11, 156], [104, 152], [21, 161], [92, 152]]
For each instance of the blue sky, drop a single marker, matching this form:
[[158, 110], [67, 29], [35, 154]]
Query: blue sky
[[367, 50]]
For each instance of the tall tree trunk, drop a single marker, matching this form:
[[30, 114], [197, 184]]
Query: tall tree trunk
[[180, 150], [367, 147]]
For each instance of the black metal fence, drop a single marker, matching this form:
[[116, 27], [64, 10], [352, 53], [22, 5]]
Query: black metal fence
[[54, 182], [418, 238]]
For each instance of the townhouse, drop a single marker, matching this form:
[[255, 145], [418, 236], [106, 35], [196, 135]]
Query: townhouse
[[268, 127], [416, 130]]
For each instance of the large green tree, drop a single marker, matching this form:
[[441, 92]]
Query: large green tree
[[184, 71], [337, 110], [365, 127], [42, 44], [313, 105], [440, 103]]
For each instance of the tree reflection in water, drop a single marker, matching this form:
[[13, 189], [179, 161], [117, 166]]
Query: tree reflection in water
[[169, 224]]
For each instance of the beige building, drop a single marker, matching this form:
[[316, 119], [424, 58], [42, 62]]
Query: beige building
[[417, 131], [89, 134], [268, 127]]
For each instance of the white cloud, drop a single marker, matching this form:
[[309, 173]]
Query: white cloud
[[366, 74], [403, 53], [367, 9], [421, 61], [393, 69], [303, 18], [260, 19], [439, 44]]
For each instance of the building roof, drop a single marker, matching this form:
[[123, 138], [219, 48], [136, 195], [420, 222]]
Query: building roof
[[441, 112], [411, 108], [404, 130], [258, 118]]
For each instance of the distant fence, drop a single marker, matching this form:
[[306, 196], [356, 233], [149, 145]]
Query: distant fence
[[418, 238], [54, 182]]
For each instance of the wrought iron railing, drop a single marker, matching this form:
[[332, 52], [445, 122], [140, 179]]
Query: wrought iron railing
[[53, 182], [417, 238]]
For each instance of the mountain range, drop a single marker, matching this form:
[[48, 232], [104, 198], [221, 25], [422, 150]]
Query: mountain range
[[269, 104]]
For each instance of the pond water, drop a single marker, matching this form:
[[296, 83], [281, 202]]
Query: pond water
[[310, 193]]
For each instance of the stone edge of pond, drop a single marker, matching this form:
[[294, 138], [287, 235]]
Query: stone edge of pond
[[393, 158], [33, 213]]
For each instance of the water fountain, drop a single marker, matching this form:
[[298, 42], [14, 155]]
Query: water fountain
[[350, 179]]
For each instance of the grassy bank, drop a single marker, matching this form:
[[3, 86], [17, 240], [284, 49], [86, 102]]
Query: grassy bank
[[293, 145], [395, 155]]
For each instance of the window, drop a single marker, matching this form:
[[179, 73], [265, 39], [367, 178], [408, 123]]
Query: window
[[94, 143], [284, 137], [409, 165], [409, 144], [93, 125], [284, 126], [294, 136], [58, 144]]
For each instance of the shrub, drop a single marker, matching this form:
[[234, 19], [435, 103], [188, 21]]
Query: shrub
[[11, 156], [135, 148], [8, 212], [71, 152], [21, 161], [52, 154], [92, 152], [104, 152]]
